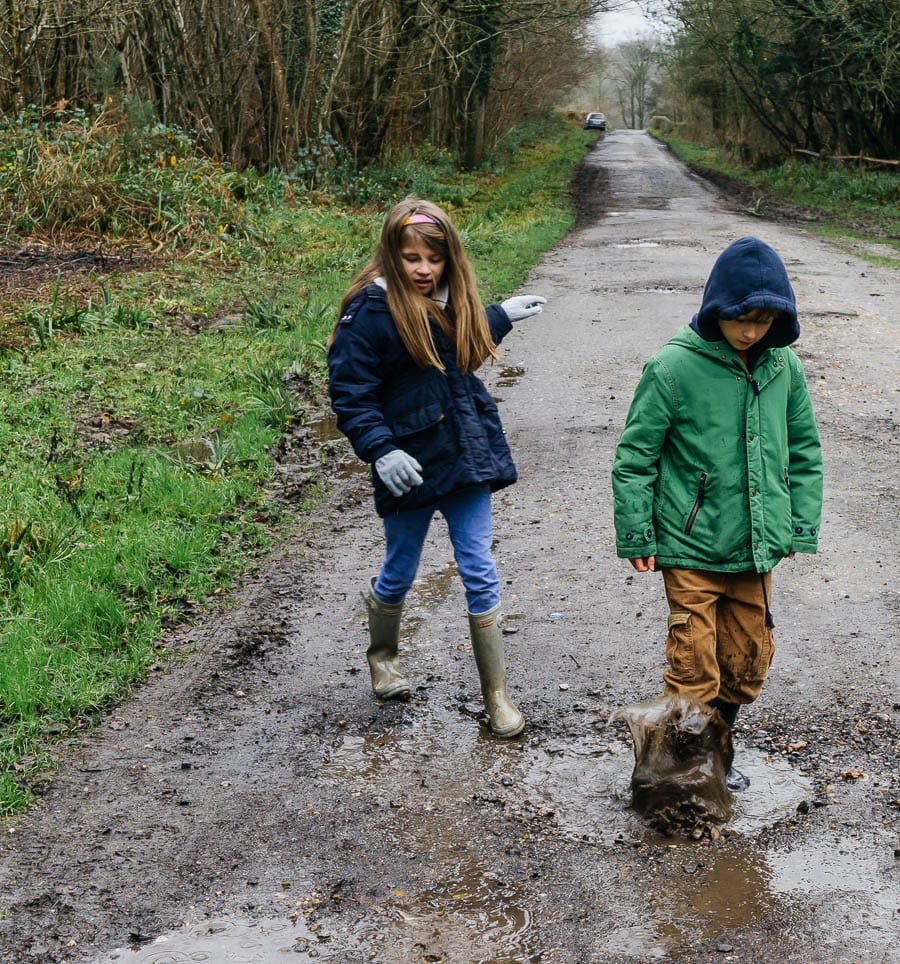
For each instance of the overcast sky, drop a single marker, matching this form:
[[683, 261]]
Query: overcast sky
[[623, 24]]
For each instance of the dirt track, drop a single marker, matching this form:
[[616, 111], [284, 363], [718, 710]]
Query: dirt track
[[257, 799]]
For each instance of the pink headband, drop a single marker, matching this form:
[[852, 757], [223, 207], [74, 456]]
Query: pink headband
[[421, 219]]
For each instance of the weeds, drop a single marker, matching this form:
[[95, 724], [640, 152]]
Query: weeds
[[277, 404], [25, 547], [62, 312], [95, 173], [111, 533]]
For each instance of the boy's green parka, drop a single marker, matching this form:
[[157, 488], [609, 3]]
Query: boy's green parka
[[719, 465]]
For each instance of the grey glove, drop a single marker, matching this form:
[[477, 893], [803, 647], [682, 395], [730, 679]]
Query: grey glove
[[399, 471], [523, 306]]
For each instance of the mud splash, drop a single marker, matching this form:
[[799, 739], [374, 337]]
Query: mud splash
[[682, 751]]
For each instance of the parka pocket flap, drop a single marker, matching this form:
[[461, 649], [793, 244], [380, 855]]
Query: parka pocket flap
[[678, 619], [418, 420]]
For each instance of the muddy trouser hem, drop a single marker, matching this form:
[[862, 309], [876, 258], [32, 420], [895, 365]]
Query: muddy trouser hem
[[468, 516], [718, 643]]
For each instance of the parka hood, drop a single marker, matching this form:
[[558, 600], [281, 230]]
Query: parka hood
[[748, 274]]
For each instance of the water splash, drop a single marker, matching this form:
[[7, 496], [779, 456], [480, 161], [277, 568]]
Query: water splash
[[682, 751]]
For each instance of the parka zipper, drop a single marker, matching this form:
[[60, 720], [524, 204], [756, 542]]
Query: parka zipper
[[695, 508]]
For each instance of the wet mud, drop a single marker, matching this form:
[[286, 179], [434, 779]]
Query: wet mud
[[253, 803], [682, 752]]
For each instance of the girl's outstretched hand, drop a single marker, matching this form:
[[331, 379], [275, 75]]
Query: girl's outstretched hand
[[523, 306], [399, 471]]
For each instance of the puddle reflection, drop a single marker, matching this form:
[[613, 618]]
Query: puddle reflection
[[230, 940], [845, 878], [324, 431]]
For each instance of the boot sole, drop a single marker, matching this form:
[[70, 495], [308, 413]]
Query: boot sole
[[400, 692]]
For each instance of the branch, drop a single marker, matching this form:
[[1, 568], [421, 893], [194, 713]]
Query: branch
[[844, 157]]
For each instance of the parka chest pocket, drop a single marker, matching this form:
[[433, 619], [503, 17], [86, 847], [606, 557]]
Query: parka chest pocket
[[416, 420]]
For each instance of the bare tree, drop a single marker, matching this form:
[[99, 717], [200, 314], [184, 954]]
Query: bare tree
[[635, 80], [259, 80], [774, 75]]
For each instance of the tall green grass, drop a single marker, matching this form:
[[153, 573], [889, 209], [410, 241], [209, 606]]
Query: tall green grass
[[111, 528]]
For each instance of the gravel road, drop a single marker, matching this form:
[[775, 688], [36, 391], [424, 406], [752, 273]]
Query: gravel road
[[255, 804]]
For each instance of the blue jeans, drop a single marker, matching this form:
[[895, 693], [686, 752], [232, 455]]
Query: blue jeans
[[468, 515]]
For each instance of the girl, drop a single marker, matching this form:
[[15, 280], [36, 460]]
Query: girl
[[402, 361]]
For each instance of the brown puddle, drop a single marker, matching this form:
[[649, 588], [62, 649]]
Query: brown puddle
[[509, 375]]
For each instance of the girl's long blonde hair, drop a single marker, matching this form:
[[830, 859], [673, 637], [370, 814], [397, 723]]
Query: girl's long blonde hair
[[465, 320]]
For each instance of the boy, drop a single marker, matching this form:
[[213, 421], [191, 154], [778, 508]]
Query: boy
[[718, 476]]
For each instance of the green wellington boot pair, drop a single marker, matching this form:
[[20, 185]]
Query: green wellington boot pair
[[389, 683]]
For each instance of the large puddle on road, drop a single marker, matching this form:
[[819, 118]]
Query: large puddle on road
[[436, 768], [464, 910]]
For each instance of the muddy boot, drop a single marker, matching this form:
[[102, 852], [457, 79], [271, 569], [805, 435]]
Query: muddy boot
[[734, 779], [487, 644], [384, 635]]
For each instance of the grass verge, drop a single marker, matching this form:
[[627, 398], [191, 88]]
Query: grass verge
[[141, 411], [855, 206]]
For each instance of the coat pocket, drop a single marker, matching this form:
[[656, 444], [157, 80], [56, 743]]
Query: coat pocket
[[417, 420], [699, 499], [426, 432]]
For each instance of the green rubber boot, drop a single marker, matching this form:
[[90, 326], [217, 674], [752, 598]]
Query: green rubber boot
[[487, 644], [388, 682]]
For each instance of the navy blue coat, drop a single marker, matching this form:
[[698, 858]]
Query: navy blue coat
[[384, 401]]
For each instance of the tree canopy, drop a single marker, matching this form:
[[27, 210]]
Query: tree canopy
[[778, 75]]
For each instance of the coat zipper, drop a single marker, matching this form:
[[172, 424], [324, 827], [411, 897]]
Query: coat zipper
[[695, 508]]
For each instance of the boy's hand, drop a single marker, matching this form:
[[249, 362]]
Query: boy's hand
[[647, 564]]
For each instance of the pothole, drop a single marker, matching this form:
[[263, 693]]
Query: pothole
[[261, 941]]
